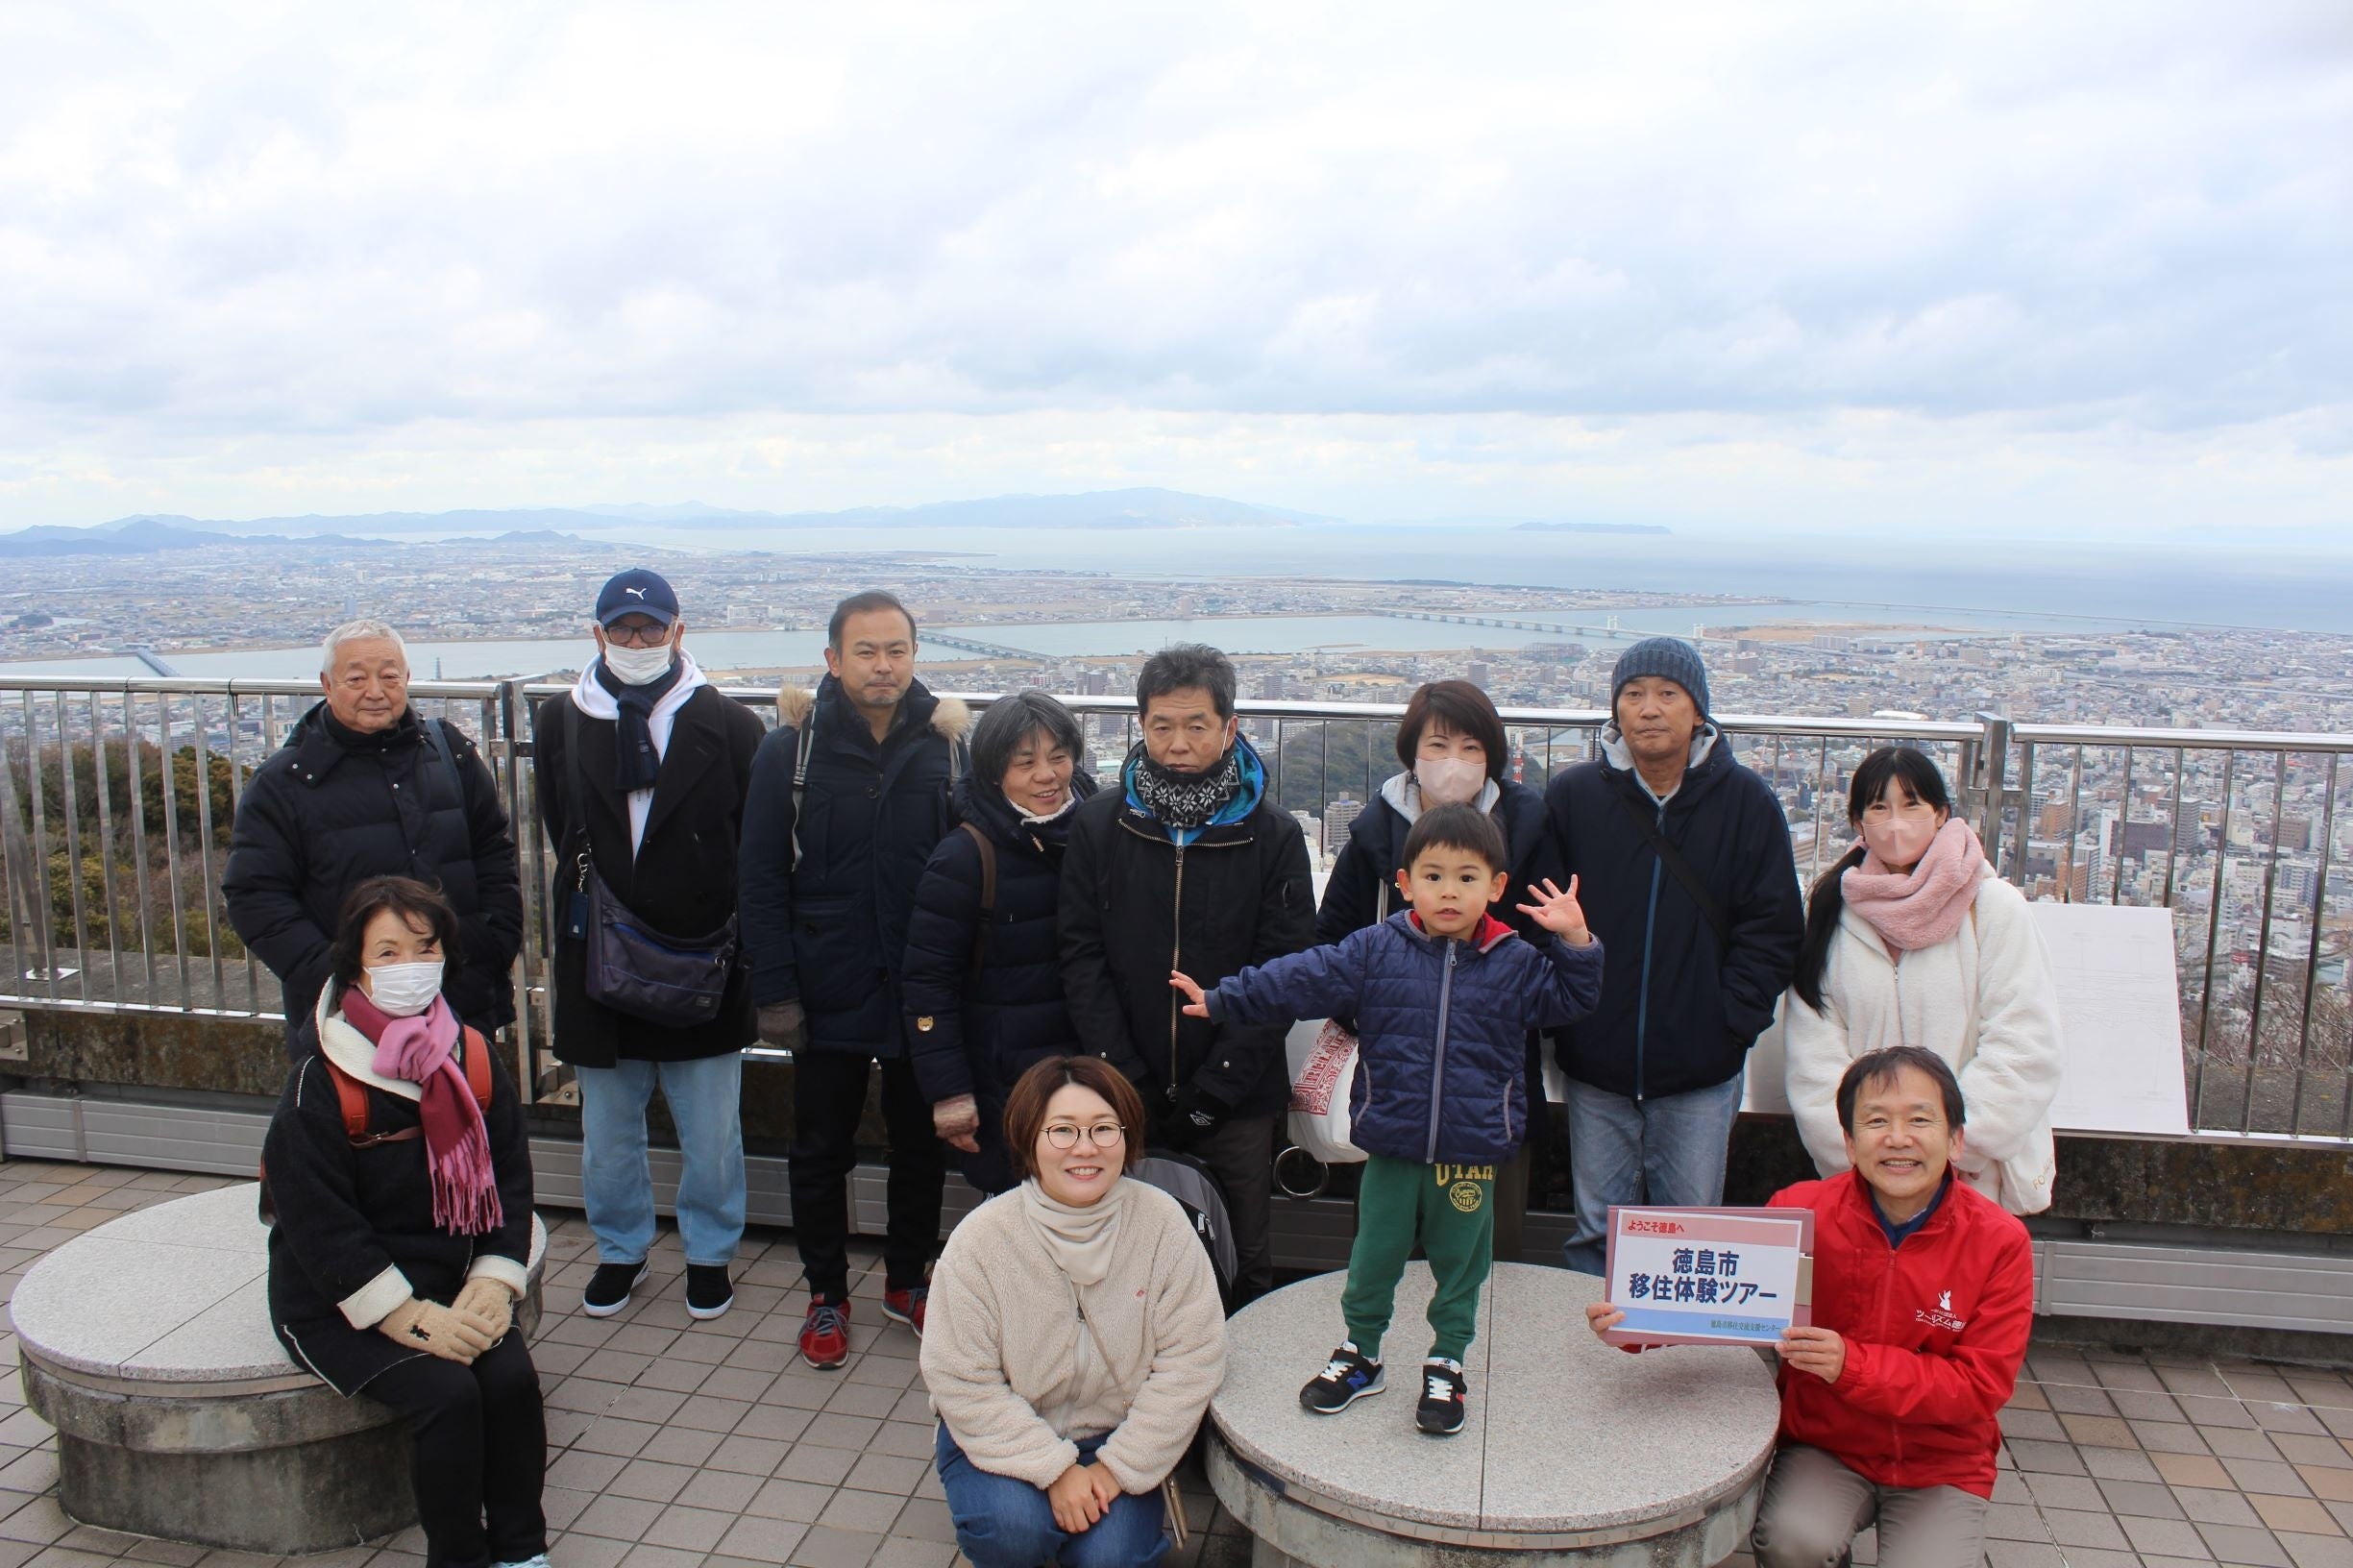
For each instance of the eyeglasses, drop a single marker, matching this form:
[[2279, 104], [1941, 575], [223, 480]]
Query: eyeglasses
[[1104, 1135], [629, 636], [1911, 811]]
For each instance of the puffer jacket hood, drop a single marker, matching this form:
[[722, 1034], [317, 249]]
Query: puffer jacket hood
[[1441, 1027]]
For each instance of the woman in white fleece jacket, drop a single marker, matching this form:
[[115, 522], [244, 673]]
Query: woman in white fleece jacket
[[1074, 1336], [1911, 940]]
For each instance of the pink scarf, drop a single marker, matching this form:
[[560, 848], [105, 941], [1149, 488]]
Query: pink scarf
[[417, 1051], [1924, 906]]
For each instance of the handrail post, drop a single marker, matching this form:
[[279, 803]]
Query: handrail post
[[1985, 780]]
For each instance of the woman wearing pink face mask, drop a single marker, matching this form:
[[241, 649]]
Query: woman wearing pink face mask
[[1911, 940], [1453, 746]]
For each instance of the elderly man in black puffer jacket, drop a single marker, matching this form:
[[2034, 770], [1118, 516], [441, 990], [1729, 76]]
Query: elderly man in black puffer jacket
[[363, 787]]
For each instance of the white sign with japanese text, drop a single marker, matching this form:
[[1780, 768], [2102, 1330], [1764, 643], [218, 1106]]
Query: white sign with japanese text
[[1709, 1276]]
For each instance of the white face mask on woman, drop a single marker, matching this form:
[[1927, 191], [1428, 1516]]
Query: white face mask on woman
[[403, 990], [639, 665], [1449, 781]]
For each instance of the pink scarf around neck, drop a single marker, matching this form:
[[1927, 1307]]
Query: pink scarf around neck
[[417, 1050], [1923, 906]]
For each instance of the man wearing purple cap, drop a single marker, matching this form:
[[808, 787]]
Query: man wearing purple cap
[[641, 770], [1687, 876]]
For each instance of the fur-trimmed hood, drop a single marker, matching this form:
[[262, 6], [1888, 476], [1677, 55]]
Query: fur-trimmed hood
[[951, 717]]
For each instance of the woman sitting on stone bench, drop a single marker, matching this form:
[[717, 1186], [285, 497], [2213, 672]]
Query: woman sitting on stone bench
[[402, 1231]]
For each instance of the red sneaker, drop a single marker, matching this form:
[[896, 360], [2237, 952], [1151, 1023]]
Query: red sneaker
[[907, 1306], [825, 1334]]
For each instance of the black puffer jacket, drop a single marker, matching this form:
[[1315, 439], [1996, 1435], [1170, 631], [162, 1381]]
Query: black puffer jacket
[[1135, 906], [680, 879], [832, 933], [333, 807], [1376, 852], [1678, 1009], [975, 1032]]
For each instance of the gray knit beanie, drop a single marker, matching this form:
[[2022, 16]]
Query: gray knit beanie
[[1670, 658]]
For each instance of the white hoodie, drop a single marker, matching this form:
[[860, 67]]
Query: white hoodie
[[1983, 999]]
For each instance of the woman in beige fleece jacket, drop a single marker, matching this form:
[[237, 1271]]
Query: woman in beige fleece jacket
[[1074, 1337]]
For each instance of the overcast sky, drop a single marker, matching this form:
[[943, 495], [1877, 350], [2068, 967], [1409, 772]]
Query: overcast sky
[[2081, 269]]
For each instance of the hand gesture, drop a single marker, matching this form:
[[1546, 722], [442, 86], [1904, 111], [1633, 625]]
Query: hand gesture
[[1073, 1501], [1558, 912], [956, 1122], [1194, 1006], [1818, 1351]]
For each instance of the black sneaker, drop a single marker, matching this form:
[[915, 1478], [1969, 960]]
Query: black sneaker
[[1440, 1412], [708, 1292], [608, 1288], [1346, 1379]]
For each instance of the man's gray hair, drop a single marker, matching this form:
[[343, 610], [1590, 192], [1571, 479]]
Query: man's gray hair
[[358, 631]]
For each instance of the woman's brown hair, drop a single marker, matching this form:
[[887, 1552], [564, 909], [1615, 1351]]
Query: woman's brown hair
[[1462, 707], [1025, 1110]]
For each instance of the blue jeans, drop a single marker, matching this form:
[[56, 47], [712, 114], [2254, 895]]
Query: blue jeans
[[705, 1098], [1669, 1150], [1004, 1521]]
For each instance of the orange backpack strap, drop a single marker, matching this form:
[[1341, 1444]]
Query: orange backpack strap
[[477, 1067], [352, 1096]]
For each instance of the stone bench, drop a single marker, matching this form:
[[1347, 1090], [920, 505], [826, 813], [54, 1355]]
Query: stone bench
[[1572, 1452], [146, 1343]]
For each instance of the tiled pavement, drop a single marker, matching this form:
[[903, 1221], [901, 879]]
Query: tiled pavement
[[676, 1442]]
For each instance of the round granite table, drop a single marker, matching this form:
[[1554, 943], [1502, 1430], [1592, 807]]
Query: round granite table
[[147, 1344], [1572, 1452]]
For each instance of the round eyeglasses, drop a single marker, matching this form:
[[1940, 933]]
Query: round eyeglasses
[[1104, 1135]]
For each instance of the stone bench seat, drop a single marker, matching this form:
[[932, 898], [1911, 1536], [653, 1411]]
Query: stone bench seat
[[146, 1343], [1572, 1452]]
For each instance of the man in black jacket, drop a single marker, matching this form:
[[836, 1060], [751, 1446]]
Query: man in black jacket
[[1688, 879], [849, 797], [1186, 865], [363, 787], [642, 768]]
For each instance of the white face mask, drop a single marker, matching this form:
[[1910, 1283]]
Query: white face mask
[[403, 990], [1449, 781], [639, 665]]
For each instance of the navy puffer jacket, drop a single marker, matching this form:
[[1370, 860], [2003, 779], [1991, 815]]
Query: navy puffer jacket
[[974, 1033], [1441, 1028]]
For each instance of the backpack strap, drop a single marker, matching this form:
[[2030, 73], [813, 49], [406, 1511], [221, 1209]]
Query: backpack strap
[[352, 1095], [438, 736], [477, 1067], [800, 780], [988, 892]]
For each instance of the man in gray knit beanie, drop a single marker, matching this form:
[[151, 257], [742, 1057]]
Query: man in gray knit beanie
[[1689, 880]]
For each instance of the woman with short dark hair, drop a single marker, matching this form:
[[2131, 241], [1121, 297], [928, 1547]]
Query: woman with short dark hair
[[1075, 1337], [982, 980], [1912, 939], [398, 1168]]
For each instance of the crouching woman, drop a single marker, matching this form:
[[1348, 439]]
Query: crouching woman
[[1058, 1423], [403, 1233]]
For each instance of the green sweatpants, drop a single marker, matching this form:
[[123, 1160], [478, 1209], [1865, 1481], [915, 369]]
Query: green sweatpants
[[1452, 1210]]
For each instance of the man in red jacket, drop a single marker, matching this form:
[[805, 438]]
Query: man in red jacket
[[1924, 1299]]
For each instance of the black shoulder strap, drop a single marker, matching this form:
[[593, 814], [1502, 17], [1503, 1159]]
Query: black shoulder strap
[[988, 893], [1673, 859], [437, 735]]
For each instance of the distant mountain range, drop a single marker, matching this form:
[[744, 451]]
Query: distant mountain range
[[1119, 509]]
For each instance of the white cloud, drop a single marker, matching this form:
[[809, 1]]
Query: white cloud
[[1741, 263]]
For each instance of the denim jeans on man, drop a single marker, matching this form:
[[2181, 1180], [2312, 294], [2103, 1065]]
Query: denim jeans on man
[[1004, 1521], [1669, 1150], [705, 1098]]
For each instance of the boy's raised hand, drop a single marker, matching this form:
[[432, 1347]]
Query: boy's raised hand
[[1558, 912], [1194, 1006]]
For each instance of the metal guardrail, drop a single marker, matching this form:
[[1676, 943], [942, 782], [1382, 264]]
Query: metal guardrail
[[114, 854]]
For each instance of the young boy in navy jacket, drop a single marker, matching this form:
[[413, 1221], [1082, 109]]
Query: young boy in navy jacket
[[1443, 995], [1924, 1299]]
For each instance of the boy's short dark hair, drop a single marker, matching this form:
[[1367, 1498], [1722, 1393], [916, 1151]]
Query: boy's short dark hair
[[1457, 828], [1462, 707], [1881, 1067], [419, 906], [1186, 666], [865, 603]]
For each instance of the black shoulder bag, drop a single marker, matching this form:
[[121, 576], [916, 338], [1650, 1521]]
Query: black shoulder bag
[[1673, 859], [676, 982]]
